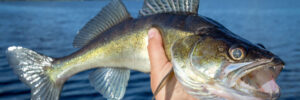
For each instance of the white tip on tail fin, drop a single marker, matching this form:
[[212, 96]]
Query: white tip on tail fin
[[31, 69]]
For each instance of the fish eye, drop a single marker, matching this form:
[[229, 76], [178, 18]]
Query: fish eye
[[237, 53]]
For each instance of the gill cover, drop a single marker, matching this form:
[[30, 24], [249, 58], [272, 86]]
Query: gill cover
[[192, 81]]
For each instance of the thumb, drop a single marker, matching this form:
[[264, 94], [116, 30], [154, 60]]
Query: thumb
[[155, 49], [160, 65]]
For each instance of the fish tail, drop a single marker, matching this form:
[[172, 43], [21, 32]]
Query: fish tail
[[31, 69]]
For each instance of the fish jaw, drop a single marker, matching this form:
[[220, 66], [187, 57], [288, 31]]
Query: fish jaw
[[230, 88], [256, 79]]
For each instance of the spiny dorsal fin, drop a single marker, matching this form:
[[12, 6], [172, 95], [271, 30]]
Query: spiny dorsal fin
[[110, 15], [151, 7]]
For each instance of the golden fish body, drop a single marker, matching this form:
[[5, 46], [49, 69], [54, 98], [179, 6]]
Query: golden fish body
[[208, 60]]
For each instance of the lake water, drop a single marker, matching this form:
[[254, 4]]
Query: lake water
[[50, 27]]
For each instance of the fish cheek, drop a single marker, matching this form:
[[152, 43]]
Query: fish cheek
[[207, 57]]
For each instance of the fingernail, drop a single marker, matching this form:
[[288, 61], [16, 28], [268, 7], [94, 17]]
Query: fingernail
[[151, 33]]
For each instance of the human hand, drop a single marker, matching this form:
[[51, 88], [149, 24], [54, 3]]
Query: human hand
[[160, 66]]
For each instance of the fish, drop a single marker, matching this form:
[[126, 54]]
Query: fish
[[209, 60]]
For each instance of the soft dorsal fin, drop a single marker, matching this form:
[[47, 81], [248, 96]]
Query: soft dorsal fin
[[110, 15], [151, 7]]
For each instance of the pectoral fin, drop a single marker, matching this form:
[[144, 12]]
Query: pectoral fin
[[110, 82], [164, 81]]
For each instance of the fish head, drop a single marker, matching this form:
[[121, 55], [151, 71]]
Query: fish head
[[224, 65]]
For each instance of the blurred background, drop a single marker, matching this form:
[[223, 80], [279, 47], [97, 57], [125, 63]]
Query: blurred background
[[49, 28]]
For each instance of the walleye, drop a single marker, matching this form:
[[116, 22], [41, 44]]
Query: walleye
[[208, 60]]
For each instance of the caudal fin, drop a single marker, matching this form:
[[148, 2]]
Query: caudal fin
[[31, 69]]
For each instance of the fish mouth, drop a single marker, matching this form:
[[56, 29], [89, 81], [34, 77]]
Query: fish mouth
[[258, 79]]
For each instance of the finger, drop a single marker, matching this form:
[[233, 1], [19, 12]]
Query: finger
[[158, 60], [156, 51]]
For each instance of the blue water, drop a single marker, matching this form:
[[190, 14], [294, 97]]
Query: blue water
[[50, 27]]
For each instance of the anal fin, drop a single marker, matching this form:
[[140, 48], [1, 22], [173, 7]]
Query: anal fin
[[110, 82]]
